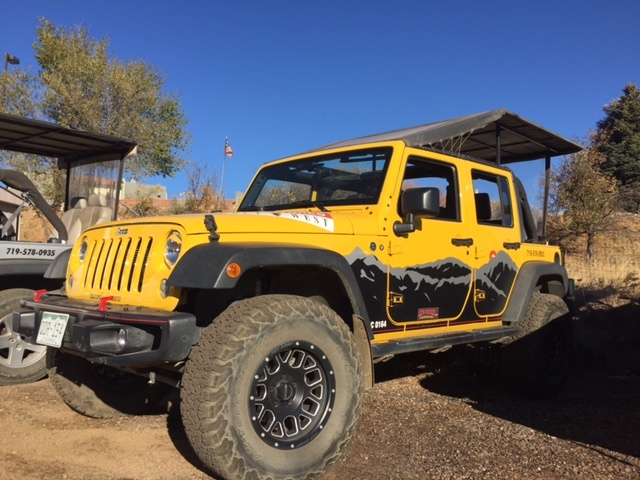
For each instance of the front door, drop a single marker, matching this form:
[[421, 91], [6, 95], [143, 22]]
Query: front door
[[430, 273]]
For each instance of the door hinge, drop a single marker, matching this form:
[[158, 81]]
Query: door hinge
[[395, 249], [395, 299]]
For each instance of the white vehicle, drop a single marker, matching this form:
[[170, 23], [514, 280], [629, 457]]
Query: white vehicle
[[93, 165]]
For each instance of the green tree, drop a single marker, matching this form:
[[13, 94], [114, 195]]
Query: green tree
[[84, 87], [21, 94], [619, 140], [583, 197], [80, 85]]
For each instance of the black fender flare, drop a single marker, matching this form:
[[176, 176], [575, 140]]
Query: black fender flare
[[204, 266], [58, 267], [526, 282]]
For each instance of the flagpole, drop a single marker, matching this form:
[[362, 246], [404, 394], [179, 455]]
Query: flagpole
[[227, 153], [224, 160]]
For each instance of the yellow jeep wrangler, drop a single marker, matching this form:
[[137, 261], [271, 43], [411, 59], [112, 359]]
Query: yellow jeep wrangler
[[269, 319]]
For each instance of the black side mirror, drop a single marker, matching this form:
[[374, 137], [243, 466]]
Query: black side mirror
[[417, 201]]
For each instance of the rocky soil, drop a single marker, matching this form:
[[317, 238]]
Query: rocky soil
[[428, 417]]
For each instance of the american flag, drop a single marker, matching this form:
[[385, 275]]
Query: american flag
[[227, 148]]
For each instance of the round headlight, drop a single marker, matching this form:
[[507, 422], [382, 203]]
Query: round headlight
[[172, 248], [84, 246]]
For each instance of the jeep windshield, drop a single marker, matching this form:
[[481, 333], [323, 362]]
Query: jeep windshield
[[345, 178], [91, 177]]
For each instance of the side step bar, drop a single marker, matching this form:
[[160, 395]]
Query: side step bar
[[432, 342]]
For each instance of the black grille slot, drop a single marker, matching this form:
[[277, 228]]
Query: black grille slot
[[117, 265]]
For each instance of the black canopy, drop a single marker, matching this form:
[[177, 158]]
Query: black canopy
[[46, 139], [498, 136], [50, 140]]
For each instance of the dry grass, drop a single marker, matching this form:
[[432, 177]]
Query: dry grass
[[607, 300], [613, 279], [614, 270]]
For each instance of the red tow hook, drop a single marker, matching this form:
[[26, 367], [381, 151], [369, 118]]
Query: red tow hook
[[103, 303], [37, 297]]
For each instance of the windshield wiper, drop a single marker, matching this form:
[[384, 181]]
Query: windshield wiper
[[251, 208], [307, 203]]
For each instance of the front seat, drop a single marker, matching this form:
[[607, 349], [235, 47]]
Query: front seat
[[71, 218], [95, 212]]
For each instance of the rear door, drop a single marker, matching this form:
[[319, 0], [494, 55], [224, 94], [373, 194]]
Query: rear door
[[496, 240]]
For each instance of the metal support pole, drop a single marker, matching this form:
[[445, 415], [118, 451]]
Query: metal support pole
[[221, 193], [545, 203], [498, 148]]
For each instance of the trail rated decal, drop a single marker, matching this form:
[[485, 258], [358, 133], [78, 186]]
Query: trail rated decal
[[430, 313]]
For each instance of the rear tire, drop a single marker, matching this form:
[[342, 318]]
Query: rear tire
[[273, 389], [20, 361], [102, 392]]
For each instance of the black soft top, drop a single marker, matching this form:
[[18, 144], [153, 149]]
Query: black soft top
[[497, 136]]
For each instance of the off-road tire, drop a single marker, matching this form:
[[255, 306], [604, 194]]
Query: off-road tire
[[538, 361], [247, 405], [101, 392], [20, 361]]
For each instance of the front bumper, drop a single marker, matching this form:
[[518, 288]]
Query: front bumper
[[119, 336]]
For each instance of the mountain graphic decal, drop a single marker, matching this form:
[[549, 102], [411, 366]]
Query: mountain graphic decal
[[441, 286], [495, 279]]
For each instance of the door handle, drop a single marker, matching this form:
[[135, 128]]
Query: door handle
[[462, 242], [511, 245]]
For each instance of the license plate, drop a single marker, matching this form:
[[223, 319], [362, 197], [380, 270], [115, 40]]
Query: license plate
[[52, 328]]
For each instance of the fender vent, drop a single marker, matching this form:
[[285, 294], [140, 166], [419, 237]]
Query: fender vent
[[117, 264]]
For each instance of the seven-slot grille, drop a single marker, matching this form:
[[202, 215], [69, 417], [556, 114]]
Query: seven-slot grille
[[117, 264]]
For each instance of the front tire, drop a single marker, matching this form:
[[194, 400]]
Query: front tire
[[102, 392], [272, 390], [20, 361]]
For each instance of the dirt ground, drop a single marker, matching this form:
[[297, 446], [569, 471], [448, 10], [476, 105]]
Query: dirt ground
[[420, 421]]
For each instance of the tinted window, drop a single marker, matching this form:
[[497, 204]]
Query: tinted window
[[492, 199]]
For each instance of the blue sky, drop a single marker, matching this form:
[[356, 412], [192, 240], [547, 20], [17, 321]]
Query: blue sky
[[282, 77]]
